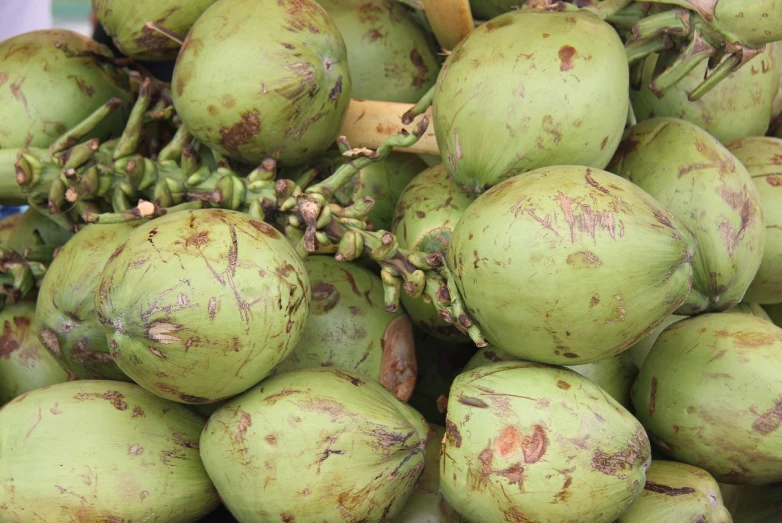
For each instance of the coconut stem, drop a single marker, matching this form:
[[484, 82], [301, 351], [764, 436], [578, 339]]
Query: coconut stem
[[420, 107], [131, 135], [608, 8], [86, 126], [697, 51]]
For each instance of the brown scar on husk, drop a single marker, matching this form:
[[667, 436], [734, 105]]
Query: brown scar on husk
[[534, 447], [242, 132], [566, 54], [667, 490], [115, 397], [770, 420], [399, 368], [452, 434], [652, 397]]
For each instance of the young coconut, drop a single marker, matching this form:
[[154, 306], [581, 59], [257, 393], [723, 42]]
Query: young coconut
[[65, 314], [148, 30], [52, 80], [199, 306], [129, 455], [569, 246], [694, 176], [680, 397], [677, 493], [558, 95], [614, 375], [25, 364], [348, 328], [761, 157], [391, 57], [289, 97], [424, 218], [321, 445], [737, 107], [531, 441]]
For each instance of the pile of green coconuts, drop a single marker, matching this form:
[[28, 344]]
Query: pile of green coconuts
[[394, 261]]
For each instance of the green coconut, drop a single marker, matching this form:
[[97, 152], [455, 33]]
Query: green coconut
[[148, 29], [529, 89], [315, 445], [263, 78], [25, 364], [614, 375], [199, 306], [348, 328], [739, 106], [709, 395], [391, 57], [384, 182], [763, 159], [101, 451], [66, 317], [535, 442], [439, 362], [426, 504], [576, 262], [677, 493], [698, 179], [51, 80], [424, 218]]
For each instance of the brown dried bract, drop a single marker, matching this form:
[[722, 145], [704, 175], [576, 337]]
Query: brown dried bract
[[399, 368]]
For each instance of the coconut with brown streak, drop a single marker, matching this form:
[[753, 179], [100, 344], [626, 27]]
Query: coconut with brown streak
[[315, 445], [66, 319], [532, 442], [94, 450], [529, 89], [25, 364], [576, 262], [677, 493], [709, 395], [199, 306], [282, 94], [348, 328], [694, 176], [762, 157]]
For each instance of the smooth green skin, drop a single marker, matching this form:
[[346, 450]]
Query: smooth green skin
[[65, 316], [737, 107], [525, 440], [677, 493], [25, 364], [426, 504], [709, 395], [577, 262], [439, 362], [101, 451], [763, 159], [614, 375], [424, 218], [347, 325], [391, 57], [284, 91], [384, 182], [125, 22], [510, 99], [315, 445], [700, 181], [43, 93], [199, 306], [753, 504]]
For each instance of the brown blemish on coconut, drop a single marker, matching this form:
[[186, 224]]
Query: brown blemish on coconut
[[336, 91], [564, 385], [265, 229], [584, 260], [534, 447], [566, 54], [652, 397], [242, 132], [770, 420], [452, 435], [9, 342], [116, 398], [135, 450], [496, 24], [508, 442], [667, 490], [162, 332], [421, 70]]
